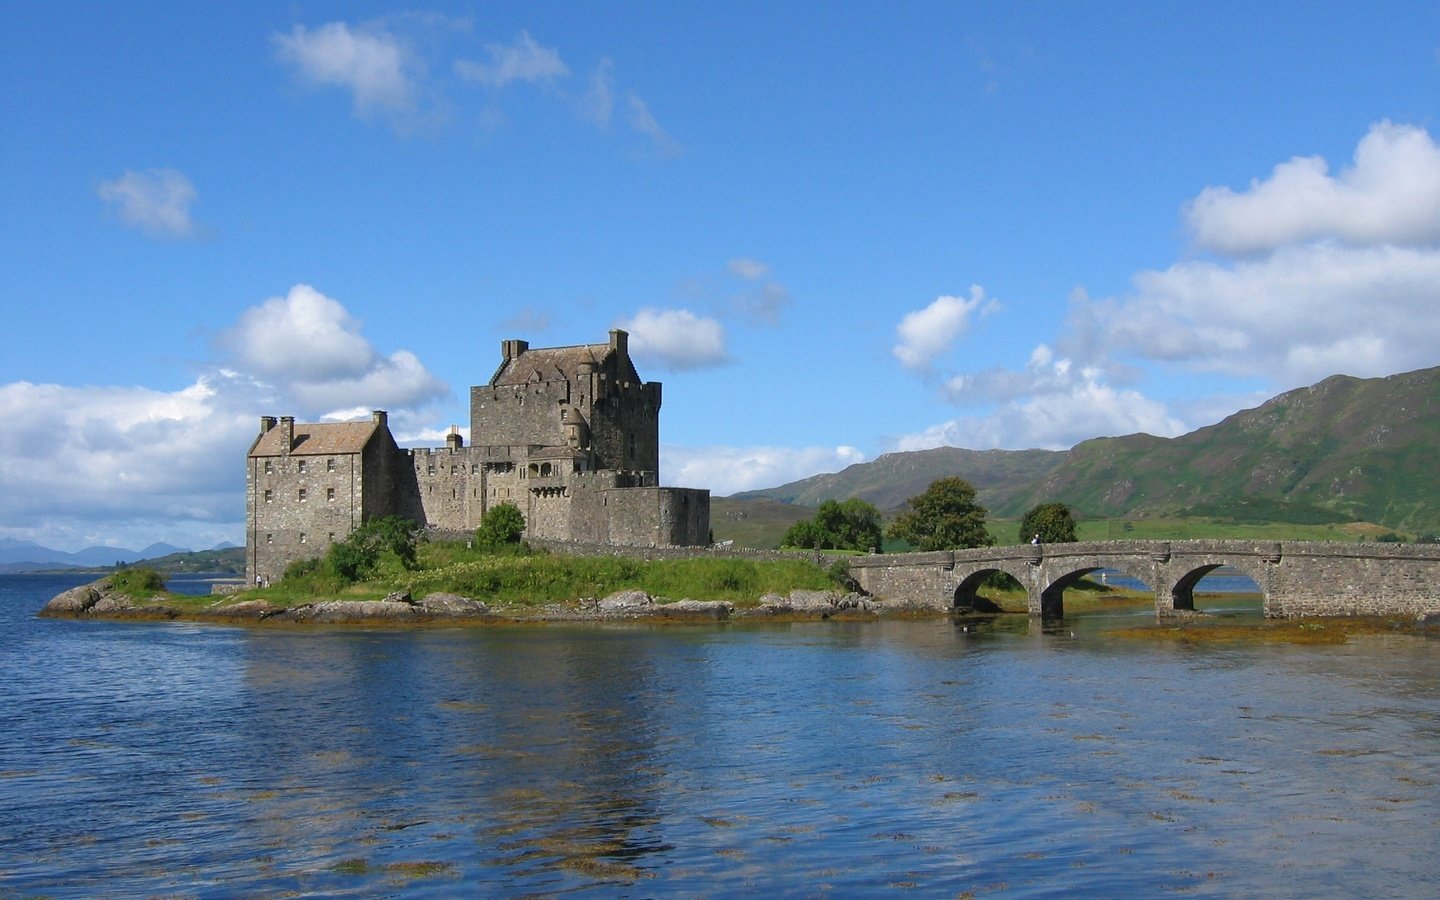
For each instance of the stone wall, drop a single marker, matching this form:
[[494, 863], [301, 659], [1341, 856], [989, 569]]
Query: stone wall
[[1295, 578]]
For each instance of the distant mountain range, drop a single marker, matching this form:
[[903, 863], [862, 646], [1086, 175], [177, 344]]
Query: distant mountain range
[[1345, 449], [28, 556]]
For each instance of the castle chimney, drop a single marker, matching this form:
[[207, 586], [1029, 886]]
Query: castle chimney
[[620, 341], [287, 430], [511, 349], [266, 423], [379, 417], [453, 440]]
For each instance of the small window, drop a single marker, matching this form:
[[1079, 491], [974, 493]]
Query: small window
[[268, 539], [300, 466], [329, 493], [302, 537], [330, 464], [269, 495], [269, 467], [302, 495]]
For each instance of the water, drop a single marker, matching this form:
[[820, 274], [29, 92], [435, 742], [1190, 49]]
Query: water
[[839, 759]]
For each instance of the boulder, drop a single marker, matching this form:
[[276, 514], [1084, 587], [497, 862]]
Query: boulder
[[453, 606], [626, 602]]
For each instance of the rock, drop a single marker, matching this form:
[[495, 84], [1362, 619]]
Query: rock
[[453, 606], [625, 601], [696, 609], [109, 603], [398, 597], [821, 603], [350, 612], [76, 600]]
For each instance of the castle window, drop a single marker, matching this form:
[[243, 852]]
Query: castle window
[[301, 495], [331, 537], [269, 495], [269, 467], [330, 464], [329, 493], [302, 537], [268, 539], [300, 466], [431, 470]]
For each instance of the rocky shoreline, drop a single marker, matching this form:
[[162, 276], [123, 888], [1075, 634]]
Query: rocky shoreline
[[100, 600]]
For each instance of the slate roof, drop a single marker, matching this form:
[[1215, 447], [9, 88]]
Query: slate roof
[[319, 439], [559, 364]]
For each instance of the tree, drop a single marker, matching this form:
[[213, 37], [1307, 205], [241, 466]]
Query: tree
[[851, 524], [501, 525], [1053, 522], [357, 557], [944, 517]]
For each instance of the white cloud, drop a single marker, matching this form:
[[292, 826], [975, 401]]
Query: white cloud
[[644, 122], [598, 102], [729, 470], [369, 62], [762, 297], [1390, 195], [86, 465], [928, 333], [676, 339], [524, 60], [98, 463], [748, 269], [157, 201], [1293, 317], [304, 335]]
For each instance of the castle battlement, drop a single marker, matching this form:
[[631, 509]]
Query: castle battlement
[[569, 435]]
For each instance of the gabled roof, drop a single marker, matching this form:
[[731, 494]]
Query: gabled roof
[[319, 439], [561, 364]]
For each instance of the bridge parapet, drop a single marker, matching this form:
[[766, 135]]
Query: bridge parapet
[[1294, 577]]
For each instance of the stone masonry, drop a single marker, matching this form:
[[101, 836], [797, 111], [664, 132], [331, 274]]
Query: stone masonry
[[1296, 578], [569, 435]]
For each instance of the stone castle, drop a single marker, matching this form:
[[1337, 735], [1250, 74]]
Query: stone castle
[[569, 435]]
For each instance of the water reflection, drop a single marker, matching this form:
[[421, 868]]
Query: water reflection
[[983, 755]]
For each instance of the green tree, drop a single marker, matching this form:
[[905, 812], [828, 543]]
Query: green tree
[[357, 557], [1052, 522], [944, 517], [501, 525], [850, 524]]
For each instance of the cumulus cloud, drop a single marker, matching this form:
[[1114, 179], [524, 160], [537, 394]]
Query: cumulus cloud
[[926, 334], [729, 470], [311, 345], [676, 339], [368, 61], [524, 60], [92, 465], [1389, 195], [97, 463], [1054, 404], [157, 201], [1307, 275]]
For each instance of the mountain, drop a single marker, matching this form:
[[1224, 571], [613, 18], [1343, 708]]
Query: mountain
[[28, 556], [891, 479], [1345, 449]]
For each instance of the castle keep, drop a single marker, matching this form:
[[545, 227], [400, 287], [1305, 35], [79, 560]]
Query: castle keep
[[569, 435]]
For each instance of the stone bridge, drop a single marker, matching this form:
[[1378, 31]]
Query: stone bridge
[[1296, 578]]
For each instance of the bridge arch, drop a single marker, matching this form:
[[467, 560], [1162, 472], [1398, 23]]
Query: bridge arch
[[1185, 574], [966, 594]]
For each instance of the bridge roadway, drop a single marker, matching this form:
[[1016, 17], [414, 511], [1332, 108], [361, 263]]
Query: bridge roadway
[[1296, 578]]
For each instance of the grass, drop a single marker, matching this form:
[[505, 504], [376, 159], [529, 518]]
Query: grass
[[521, 579]]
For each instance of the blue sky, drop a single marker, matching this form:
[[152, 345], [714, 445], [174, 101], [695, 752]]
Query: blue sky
[[833, 230]]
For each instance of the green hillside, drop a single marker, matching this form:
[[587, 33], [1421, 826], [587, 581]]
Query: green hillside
[[1347, 456]]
